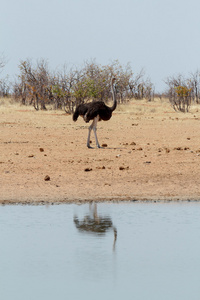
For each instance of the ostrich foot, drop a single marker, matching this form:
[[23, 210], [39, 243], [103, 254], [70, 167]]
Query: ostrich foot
[[90, 147]]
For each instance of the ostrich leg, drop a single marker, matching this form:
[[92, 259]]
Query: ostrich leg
[[89, 133], [93, 127], [95, 131]]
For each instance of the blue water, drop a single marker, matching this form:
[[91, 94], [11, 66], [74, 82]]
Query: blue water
[[109, 251]]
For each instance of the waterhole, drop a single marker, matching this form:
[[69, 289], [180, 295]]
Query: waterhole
[[100, 251]]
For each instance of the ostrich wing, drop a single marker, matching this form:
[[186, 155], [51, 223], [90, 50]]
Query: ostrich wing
[[98, 109]]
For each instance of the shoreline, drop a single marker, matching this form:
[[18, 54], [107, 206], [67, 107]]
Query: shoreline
[[85, 201]]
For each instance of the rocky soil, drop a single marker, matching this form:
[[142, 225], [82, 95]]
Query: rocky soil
[[150, 152]]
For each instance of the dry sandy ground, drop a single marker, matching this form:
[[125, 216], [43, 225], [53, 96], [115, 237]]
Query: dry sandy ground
[[152, 153]]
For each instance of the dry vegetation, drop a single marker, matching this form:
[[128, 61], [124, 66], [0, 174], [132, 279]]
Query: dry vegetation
[[151, 152]]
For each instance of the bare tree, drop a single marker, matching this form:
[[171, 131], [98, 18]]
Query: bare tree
[[179, 92], [5, 86], [3, 61], [194, 83], [69, 87], [35, 82]]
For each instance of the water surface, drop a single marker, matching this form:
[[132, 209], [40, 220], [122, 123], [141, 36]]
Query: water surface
[[111, 251]]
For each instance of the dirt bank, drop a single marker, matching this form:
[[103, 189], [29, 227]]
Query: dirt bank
[[151, 152]]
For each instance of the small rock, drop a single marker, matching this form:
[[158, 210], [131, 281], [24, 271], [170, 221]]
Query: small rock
[[104, 145], [123, 168], [178, 148], [133, 144], [88, 169], [41, 149], [101, 168], [47, 178]]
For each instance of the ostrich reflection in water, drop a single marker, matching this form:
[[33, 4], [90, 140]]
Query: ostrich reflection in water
[[94, 223]]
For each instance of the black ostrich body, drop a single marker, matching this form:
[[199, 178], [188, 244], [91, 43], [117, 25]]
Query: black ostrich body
[[95, 111], [89, 111]]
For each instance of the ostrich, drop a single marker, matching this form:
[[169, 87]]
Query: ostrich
[[95, 111], [96, 224]]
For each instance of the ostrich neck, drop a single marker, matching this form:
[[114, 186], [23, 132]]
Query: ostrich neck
[[114, 98]]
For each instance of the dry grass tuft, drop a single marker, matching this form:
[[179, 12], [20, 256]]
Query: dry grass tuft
[[141, 107]]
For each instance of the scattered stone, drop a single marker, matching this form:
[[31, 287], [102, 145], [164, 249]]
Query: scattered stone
[[140, 149], [104, 145], [41, 149], [101, 168], [167, 150], [147, 162], [88, 169], [123, 168], [31, 155], [118, 155], [178, 148], [133, 144], [47, 178]]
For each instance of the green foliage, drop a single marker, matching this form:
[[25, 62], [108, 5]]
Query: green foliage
[[180, 93], [58, 91]]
